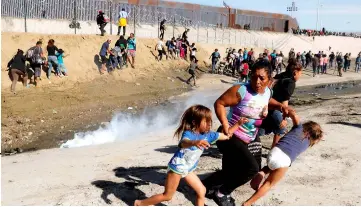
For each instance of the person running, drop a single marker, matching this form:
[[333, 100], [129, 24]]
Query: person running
[[52, 58], [192, 71], [242, 153], [284, 86], [162, 29], [132, 47], [281, 157], [102, 22], [104, 51], [123, 15], [215, 56], [195, 136], [16, 67], [159, 46]]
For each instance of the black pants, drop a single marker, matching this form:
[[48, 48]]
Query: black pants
[[240, 163], [124, 29], [161, 33], [160, 55], [102, 30]]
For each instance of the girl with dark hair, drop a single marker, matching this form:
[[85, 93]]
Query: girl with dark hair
[[195, 136], [17, 69], [241, 159]]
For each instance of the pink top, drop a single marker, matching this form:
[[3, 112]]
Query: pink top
[[322, 60], [325, 60]]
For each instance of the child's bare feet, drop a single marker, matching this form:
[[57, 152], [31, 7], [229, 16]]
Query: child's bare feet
[[137, 203], [257, 180]]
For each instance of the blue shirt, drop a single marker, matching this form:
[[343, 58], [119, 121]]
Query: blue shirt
[[215, 56], [60, 58], [245, 55], [358, 59], [131, 44], [185, 160], [104, 49], [294, 143]]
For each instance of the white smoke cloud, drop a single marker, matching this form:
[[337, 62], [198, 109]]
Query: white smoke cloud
[[124, 126]]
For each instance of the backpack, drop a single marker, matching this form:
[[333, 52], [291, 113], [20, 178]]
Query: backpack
[[30, 53]]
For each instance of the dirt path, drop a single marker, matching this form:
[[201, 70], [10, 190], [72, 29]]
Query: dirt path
[[117, 173]]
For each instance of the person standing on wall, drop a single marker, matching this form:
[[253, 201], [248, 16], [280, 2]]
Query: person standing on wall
[[123, 15], [102, 22], [162, 29]]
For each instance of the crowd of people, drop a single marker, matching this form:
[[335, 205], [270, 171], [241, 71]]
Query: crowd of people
[[29, 64], [323, 32], [257, 107]]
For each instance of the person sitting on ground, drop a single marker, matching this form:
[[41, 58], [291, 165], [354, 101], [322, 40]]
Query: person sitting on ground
[[215, 57], [61, 66], [122, 43], [159, 47], [132, 47], [281, 157], [16, 67], [104, 51], [36, 58], [113, 58], [195, 136], [192, 71]]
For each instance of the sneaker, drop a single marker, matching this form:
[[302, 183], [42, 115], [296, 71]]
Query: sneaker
[[225, 200]]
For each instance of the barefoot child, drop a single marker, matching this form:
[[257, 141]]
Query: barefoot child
[[196, 136], [283, 154]]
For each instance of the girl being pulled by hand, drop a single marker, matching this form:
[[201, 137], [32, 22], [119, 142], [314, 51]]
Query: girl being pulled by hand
[[195, 136]]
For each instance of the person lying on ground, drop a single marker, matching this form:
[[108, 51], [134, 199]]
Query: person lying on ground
[[196, 136], [16, 67], [280, 158]]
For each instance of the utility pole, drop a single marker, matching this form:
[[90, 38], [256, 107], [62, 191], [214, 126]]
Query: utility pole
[[318, 13], [292, 8]]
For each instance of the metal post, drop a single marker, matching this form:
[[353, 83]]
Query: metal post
[[222, 34], [173, 25], [318, 8], [207, 35], [110, 7], [215, 34], [75, 16], [135, 7], [25, 14]]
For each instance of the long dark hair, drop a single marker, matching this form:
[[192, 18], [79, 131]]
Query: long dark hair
[[192, 118]]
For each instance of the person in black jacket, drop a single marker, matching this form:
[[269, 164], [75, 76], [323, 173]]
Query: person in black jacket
[[283, 89], [17, 69], [101, 22]]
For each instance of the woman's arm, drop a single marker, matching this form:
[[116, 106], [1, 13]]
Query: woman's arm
[[229, 98]]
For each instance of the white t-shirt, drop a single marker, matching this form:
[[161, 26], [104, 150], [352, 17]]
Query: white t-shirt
[[160, 45], [193, 52], [279, 59], [123, 14]]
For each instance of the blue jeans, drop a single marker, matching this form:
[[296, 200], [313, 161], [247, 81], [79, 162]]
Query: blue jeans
[[214, 63], [272, 123], [357, 69], [52, 60], [62, 68]]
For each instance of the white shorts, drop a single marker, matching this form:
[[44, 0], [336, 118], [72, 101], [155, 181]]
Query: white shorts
[[278, 159]]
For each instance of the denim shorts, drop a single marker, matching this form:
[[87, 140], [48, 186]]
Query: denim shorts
[[272, 123]]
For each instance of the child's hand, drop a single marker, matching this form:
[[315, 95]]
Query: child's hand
[[242, 121], [202, 144], [283, 123]]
